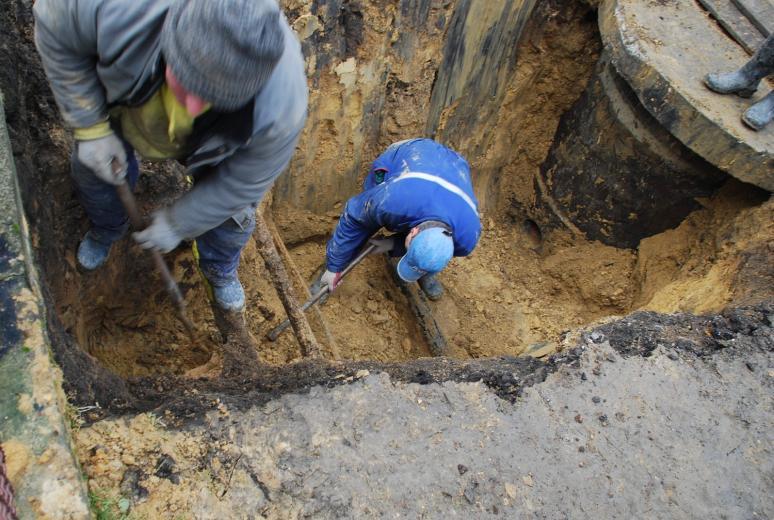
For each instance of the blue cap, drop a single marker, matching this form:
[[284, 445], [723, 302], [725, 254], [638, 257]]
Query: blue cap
[[428, 253]]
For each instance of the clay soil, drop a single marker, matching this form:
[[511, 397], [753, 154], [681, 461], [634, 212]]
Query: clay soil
[[514, 294], [522, 290]]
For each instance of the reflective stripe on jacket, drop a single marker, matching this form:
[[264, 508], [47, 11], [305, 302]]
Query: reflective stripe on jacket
[[399, 205]]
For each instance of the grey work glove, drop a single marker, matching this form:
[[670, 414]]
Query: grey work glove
[[326, 279], [383, 245], [331, 279], [160, 235], [104, 156]]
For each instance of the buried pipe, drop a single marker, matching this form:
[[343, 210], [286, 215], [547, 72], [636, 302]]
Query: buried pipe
[[316, 320], [279, 278], [421, 310]]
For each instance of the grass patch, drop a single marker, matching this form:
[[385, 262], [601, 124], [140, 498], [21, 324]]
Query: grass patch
[[105, 506]]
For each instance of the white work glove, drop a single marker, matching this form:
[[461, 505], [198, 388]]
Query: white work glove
[[383, 245], [104, 156], [160, 235], [332, 280]]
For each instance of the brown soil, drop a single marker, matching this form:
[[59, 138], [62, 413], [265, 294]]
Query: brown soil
[[720, 255], [509, 295], [554, 64], [521, 288], [513, 293]]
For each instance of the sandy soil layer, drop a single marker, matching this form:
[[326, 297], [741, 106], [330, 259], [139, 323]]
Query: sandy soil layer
[[517, 291], [511, 295]]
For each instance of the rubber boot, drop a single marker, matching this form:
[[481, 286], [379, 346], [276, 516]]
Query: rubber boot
[[744, 82], [432, 288], [761, 113], [92, 253], [229, 296]]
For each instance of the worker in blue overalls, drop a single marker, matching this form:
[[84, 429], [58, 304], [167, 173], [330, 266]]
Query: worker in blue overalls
[[422, 192]]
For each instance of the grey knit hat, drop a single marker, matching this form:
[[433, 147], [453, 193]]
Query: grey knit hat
[[223, 50]]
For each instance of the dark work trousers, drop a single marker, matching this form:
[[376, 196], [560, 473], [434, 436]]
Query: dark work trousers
[[218, 249]]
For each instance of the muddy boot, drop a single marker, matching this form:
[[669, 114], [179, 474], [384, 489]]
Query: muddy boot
[[744, 81], [92, 253], [229, 295], [240, 348], [432, 288], [761, 113], [227, 300]]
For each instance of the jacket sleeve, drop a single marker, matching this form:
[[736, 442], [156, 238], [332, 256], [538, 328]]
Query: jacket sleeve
[[465, 248], [238, 181], [66, 39], [356, 225]]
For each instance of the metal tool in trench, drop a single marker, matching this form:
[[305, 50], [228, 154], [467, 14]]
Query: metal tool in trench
[[135, 218], [276, 331]]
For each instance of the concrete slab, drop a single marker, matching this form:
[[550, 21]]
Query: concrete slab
[[736, 23], [759, 12], [663, 48]]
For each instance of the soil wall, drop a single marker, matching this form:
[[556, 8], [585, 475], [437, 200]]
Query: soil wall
[[489, 78], [492, 79]]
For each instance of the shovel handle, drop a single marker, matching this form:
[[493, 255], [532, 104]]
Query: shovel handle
[[279, 329], [276, 331], [135, 218]]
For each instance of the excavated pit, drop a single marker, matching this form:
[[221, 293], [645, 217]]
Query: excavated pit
[[529, 284]]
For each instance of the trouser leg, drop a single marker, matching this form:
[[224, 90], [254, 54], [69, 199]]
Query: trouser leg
[[220, 248], [100, 201], [762, 62]]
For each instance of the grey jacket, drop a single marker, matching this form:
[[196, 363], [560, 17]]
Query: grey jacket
[[102, 53]]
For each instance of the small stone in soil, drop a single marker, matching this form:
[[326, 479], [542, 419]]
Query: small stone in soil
[[470, 492], [165, 467], [462, 469], [130, 484]]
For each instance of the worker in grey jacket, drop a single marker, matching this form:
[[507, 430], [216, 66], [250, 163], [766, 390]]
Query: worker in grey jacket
[[218, 85]]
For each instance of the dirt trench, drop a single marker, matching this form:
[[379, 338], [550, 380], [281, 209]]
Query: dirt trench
[[175, 435], [530, 283]]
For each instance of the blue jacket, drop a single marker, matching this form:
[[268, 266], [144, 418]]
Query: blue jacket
[[399, 205]]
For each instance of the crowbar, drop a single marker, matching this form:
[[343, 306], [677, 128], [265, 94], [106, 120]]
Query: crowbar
[[130, 205], [276, 331]]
